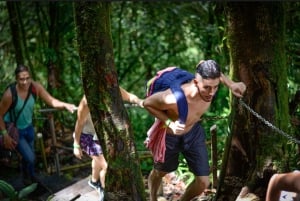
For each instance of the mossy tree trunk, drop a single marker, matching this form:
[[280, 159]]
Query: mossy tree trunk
[[101, 87], [256, 41]]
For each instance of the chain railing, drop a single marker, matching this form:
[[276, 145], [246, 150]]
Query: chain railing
[[268, 123]]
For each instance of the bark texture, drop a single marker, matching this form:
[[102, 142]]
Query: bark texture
[[53, 56], [16, 31], [256, 41], [102, 91]]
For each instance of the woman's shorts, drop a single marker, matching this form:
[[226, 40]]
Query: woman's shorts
[[90, 146]]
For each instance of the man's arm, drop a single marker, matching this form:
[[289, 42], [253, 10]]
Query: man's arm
[[237, 88], [131, 98], [158, 103], [161, 105]]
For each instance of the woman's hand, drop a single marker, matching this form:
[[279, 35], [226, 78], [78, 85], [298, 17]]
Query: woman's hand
[[77, 150], [70, 107], [8, 142]]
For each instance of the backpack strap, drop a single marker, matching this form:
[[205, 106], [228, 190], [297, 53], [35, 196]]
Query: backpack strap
[[14, 102], [177, 91], [164, 80], [33, 91], [14, 95]]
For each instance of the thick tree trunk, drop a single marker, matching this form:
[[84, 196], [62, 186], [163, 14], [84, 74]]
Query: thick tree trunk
[[102, 91], [256, 41]]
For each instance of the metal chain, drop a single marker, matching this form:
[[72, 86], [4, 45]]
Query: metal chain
[[268, 123], [242, 103]]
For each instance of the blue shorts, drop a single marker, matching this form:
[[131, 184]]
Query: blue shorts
[[192, 146], [89, 145]]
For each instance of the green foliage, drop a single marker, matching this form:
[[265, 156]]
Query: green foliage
[[146, 37], [170, 37], [12, 195], [183, 172]]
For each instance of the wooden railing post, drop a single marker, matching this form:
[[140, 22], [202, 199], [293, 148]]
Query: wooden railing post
[[214, 155]]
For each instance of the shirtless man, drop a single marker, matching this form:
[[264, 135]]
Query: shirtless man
[[188, 138]]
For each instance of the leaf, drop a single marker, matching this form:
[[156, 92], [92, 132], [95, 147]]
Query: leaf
[[27, 190]]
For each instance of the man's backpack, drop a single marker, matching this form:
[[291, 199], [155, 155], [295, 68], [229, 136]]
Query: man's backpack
[[173, 78], [14, 94]]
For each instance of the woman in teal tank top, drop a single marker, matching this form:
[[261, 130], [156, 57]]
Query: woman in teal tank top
[[25, 146]]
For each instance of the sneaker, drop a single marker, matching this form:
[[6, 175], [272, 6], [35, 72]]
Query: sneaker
[[97, 186], [94, 185], [100, 191]]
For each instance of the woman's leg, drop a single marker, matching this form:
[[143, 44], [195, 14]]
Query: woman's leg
[[99, 169], [26, 149]]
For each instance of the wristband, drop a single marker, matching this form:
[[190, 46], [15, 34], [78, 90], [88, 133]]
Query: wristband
[[3, 132], [168, 122], [76, 146]]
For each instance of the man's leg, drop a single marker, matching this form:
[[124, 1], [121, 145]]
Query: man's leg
[[154, 182], [195, 188], [196, 155]]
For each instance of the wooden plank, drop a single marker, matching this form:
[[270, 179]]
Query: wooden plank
[[80, 189]]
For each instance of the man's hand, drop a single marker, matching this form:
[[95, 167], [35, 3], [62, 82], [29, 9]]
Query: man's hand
[[238, 89], [177, 127], [141, 103]]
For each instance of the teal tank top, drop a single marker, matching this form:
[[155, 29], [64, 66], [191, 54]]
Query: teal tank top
[[25, 118]]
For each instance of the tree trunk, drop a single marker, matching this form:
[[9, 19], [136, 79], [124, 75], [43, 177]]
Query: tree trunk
[[256, 40], [53, 45], [15, 31], [102, 91], [18, 35]]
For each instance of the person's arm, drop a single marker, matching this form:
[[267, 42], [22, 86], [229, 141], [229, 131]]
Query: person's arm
[[237, 88], [82, 113], [283, 182], [5, 103], [157, 105], [131, 98], [50, 100]]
